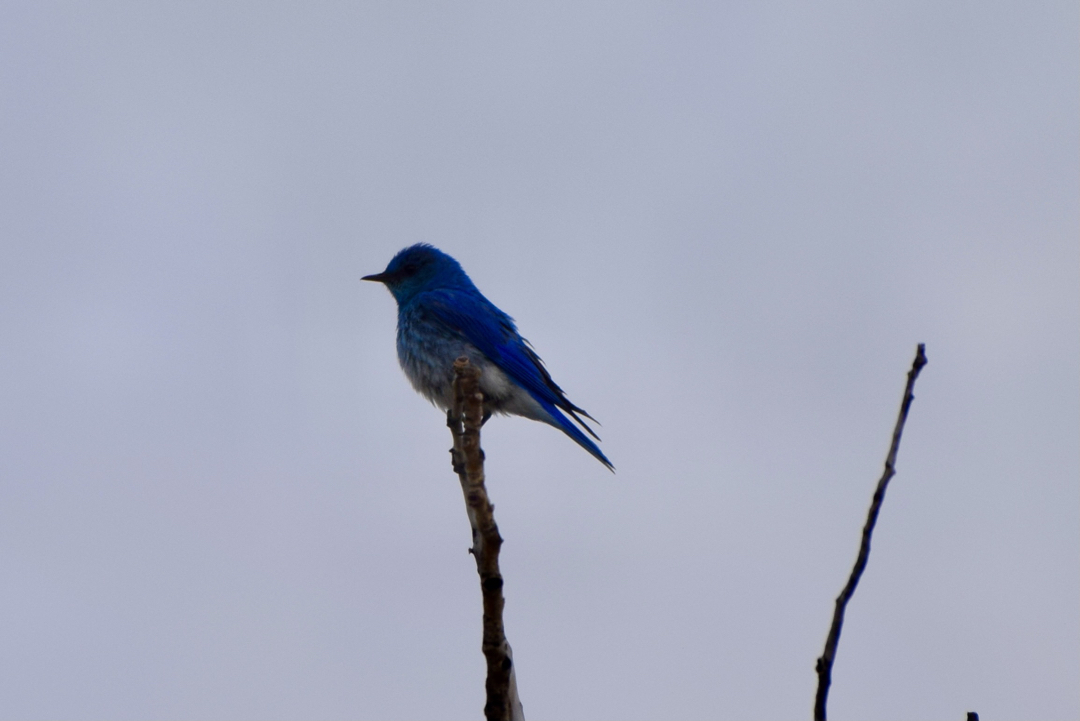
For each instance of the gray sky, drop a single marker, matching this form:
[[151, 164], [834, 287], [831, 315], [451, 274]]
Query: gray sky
[[724, 226]]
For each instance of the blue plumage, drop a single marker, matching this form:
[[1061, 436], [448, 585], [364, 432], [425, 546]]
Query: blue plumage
[[442, 316]]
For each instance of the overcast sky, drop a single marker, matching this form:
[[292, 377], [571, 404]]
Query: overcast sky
[[724, 226]]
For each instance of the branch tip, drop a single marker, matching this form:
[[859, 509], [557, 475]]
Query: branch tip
[[824, 664]]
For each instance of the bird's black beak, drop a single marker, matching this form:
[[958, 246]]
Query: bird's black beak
[[378, 277]]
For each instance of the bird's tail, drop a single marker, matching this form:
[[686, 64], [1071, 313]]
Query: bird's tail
[[565, 425]]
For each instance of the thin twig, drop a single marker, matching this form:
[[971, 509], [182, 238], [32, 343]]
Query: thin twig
[[465, 419], [825, 663]]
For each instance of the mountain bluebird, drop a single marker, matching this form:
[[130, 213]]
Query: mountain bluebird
[[442, 316]]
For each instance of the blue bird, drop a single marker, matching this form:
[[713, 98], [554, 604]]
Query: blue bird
[[442, 316]]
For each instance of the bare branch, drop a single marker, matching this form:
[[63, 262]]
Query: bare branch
[[465, 419], [825, 663]]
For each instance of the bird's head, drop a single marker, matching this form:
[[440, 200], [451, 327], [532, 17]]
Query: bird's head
[[419, 268]]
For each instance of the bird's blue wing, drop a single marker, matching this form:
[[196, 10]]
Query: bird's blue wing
[[494, 334]]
